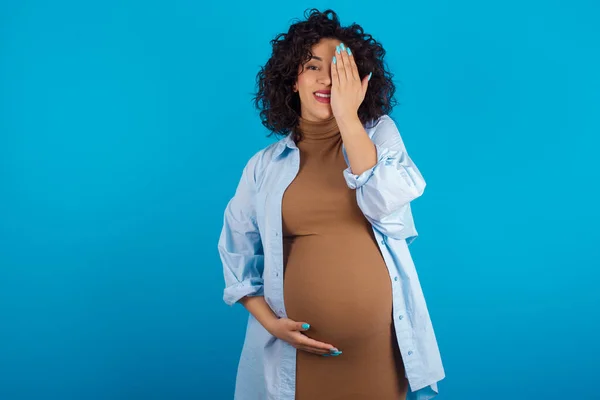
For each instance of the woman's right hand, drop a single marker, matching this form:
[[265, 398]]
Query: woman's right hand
[[291, 332]]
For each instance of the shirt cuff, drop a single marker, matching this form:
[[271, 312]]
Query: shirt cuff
[[249, 287], [356, 181]]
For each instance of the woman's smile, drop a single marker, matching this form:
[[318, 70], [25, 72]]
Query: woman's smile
[[323, 96]]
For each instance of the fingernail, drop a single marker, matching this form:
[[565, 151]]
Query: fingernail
[[305, 326], [325, 355], [334, 60], [342, 46], [349, 52], [333, 350], [336, 354], [337, 49], [370, 73]]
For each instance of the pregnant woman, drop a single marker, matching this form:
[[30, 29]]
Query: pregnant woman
[[315, 239]]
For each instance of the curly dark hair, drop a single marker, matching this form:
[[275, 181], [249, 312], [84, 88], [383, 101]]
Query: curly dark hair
[[279, 105]]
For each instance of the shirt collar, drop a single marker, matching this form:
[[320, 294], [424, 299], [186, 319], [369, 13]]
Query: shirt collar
[[287, 141]]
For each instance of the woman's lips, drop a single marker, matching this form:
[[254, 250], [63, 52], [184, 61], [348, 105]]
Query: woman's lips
[[322, 99]]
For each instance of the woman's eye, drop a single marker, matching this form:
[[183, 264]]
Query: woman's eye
[[312, 66]]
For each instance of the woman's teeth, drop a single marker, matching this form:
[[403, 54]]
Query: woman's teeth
[[323, 95]]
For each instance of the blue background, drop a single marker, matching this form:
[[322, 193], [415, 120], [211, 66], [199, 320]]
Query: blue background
[[124, 127]]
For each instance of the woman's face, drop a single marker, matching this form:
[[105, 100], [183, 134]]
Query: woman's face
[[316, 77]]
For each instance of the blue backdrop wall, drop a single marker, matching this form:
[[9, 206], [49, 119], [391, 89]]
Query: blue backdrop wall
[[124, 127]]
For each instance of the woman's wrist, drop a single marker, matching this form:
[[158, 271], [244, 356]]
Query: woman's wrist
[[261, 311]]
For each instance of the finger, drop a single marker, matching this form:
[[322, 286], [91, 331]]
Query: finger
[[353, 67], [340, 65], [365, 82], [306, 341], [299, 326], [320, 351], [335, 80], [345, 62], [313, 350]]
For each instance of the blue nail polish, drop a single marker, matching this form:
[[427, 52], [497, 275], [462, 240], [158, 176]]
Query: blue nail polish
[[349, 52], [326, 355], [370, 73], [334, 60], [336, 354], [305, 326], [334, 350], [342, 46], [337, 49]]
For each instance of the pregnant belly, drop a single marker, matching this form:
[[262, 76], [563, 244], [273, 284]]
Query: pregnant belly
[[341, 287]]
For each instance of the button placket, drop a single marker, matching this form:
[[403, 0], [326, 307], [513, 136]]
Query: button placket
[[277, 240]]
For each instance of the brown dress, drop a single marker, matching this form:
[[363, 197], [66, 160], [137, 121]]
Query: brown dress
[[335, 279]]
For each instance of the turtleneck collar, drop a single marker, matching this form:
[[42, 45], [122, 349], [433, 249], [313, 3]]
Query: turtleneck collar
[[318, 130]]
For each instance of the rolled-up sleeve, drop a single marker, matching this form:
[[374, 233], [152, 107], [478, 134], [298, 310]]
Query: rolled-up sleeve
[[240, 246], [384, 191]]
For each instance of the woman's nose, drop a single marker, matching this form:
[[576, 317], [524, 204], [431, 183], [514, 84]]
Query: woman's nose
[[325, 78]]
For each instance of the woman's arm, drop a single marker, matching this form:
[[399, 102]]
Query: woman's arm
[[240, 246], [260, 310], [385, 191]]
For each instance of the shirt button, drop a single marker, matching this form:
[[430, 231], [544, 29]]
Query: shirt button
[[383, 242], [396, 278], [400, 316], [410, 353]]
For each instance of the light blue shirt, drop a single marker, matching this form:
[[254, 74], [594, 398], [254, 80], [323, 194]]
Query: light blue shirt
[[251, 250]]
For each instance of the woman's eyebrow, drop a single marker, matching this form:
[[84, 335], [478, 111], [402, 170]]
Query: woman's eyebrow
[[316, 57]]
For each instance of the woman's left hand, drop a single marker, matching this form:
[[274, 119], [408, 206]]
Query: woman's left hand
[[347, 89]]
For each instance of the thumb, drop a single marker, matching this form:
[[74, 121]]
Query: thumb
[[365, 82], [301, 326]]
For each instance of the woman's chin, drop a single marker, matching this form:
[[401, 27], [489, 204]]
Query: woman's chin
[[322, 113], [326, 112]]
